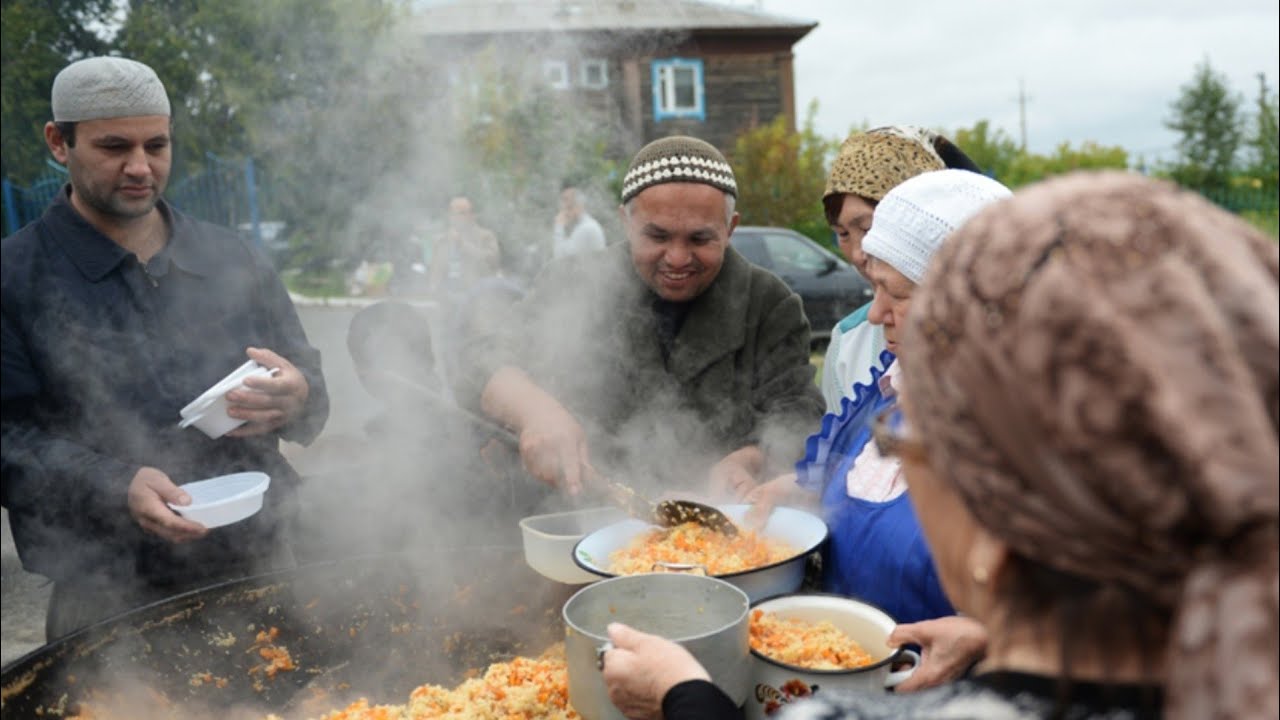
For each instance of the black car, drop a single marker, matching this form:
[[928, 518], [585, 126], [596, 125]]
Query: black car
[[828, 285]]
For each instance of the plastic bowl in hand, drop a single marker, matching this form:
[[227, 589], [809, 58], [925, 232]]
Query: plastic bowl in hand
[[225, 499], [209, 411]]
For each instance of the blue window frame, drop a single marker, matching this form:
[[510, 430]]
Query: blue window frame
[[678, 89]]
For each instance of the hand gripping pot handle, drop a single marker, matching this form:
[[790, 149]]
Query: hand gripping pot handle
[[896, 677], [600, 651]]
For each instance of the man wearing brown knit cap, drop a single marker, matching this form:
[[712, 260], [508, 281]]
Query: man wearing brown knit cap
[[667, 360]]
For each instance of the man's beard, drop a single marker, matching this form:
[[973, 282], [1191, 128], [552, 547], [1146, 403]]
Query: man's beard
[[114, 205]]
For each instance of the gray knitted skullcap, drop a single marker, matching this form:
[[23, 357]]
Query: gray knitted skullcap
[[107, 87], [678, 159]]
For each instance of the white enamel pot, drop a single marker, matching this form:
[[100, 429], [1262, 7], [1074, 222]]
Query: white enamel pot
[[775, 683], [801, 530]]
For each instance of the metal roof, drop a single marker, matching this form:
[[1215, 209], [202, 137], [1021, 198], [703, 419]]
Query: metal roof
[[474, 17]]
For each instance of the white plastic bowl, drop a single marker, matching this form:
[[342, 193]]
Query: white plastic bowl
[[549, 541], [209, 411], [225, 499]]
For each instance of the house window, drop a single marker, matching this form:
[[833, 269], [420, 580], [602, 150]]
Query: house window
[[557, 73], [677, 89], [595, 74]]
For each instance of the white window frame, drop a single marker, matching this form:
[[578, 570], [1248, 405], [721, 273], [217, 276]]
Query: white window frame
[[664, 89], [556, 73], [584, 74]]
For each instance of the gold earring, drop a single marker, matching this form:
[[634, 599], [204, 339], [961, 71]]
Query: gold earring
[[980, 575]]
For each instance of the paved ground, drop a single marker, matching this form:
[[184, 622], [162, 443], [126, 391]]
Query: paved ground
[[24, 596]]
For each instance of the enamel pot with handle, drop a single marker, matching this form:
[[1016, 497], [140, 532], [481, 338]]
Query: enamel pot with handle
[[803, 531], [705, 615], [776, 683]]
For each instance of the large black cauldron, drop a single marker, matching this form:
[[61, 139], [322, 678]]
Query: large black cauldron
[[373, 627]]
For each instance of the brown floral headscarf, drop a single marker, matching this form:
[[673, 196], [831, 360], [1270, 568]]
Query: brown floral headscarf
[[1096, 363]]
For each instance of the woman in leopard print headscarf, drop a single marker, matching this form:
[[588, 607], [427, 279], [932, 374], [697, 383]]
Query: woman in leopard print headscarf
[[1094, 374]]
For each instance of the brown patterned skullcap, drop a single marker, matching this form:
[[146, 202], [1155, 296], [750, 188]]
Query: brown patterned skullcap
[[678, 159], [872, 163], [1095, 363]]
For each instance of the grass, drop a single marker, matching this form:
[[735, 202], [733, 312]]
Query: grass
[[330, 282]]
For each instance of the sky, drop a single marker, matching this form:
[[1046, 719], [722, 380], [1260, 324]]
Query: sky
[[1100, 70]]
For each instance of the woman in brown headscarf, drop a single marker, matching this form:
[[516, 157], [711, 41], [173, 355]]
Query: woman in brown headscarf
[[1094, 371]]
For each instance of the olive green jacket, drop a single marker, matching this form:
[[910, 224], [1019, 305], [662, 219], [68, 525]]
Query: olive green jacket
[[738, 372]]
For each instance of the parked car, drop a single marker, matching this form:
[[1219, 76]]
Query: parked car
[[827, 284]]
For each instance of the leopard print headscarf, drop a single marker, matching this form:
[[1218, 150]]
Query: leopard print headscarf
[[1096, 364], [872, 163]]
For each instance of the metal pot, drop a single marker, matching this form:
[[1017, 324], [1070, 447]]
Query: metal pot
[[776, 683], [799, 529], [707, 616], [375, 626]]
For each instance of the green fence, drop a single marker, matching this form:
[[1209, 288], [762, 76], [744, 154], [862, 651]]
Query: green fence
[[1259, 206], [225, 192]]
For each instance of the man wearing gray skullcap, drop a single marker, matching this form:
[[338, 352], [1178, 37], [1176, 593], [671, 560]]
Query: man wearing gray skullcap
[[107, 87], [667, 360], [119, 310]]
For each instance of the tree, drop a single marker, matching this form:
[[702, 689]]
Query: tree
[[1027, 168], [993, 151], [1263, 162], [37, 39], [1206, 116], [781, 175], [304, 87]]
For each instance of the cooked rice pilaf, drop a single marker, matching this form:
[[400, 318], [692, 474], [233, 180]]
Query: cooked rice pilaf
[[817, 646], [522, 689], [694, 544]]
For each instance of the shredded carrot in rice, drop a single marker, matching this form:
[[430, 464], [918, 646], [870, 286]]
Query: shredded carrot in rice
[[523, 689], [694, 544], [817, 646]]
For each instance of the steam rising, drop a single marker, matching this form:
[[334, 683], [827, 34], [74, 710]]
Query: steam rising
[[470, 120]]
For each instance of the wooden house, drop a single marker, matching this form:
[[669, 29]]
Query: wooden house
[[641, 69]]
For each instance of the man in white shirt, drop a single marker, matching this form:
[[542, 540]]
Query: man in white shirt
[[575, 231]]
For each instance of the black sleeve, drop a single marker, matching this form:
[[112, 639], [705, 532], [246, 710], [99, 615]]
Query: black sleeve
[[699, 700], [43, 473]]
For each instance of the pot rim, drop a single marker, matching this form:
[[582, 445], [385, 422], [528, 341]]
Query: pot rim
[[826, 534], [888, 659], [737, 620]]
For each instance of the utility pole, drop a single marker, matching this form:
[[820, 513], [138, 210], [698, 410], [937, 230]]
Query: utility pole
[[1022, 113]]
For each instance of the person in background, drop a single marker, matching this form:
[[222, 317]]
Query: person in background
[[1096, 470], [869, 165], [669, 357], [118, 311], [465, 254], [575, 230]]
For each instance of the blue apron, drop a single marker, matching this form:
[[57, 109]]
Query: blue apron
[[876, 551]]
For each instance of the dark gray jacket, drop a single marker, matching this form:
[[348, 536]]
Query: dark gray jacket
[[100, 355], [737, 373]]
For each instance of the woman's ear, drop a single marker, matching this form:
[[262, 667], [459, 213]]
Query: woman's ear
[[988, 561]]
